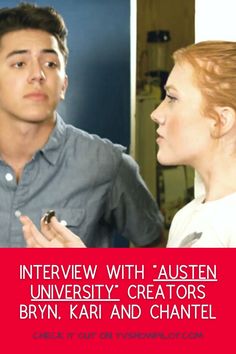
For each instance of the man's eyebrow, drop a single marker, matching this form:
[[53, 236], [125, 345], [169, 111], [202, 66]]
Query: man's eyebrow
[[24, 51], [15, 52], [52, 51]]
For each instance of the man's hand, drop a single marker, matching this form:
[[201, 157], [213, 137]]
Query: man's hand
[[53, 234]]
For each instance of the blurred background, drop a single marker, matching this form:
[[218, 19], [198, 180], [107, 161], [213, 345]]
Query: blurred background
[[162, 27]]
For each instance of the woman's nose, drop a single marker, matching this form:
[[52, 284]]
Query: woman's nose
[[157, 115], [154, 116]]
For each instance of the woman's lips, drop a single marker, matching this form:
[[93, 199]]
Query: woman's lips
[[159, 138]]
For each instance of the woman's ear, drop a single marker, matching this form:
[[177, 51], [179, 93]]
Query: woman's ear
[[225, 122]]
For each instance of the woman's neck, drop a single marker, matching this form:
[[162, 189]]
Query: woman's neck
[[219, 177]]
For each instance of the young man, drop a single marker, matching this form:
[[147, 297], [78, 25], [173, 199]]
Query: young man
[[93, 186]]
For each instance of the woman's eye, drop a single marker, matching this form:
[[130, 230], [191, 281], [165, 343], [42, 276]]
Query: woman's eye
[[170, 98]]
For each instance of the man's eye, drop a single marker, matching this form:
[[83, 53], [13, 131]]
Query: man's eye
[[51, 64], [18, 64]]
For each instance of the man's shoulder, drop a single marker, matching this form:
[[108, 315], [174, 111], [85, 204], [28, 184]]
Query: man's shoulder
[[92, 146], [93, 141]]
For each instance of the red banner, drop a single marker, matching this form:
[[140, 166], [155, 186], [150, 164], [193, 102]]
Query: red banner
[[117, 300]]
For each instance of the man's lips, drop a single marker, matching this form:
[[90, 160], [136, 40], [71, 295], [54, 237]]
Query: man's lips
[[36, 96]]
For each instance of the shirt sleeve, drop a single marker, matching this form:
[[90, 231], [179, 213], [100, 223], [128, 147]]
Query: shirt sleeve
[[131, 207]]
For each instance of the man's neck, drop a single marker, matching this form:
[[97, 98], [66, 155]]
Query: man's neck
[[20, 141]]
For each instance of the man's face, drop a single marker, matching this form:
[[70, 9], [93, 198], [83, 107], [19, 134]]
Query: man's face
[[32, 76]]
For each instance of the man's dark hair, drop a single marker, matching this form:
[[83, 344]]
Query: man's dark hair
[[30, 16]]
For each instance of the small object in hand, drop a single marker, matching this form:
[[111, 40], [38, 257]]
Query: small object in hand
[[47, 217]]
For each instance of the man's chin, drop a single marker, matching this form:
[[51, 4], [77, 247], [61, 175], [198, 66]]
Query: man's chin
[[38, 118]]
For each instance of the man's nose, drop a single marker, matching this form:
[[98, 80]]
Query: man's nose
[[36, 73]]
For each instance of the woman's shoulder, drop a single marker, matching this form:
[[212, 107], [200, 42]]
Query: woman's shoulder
[[190, 207]]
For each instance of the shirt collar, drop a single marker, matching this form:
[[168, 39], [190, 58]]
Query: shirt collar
[[52, 148]]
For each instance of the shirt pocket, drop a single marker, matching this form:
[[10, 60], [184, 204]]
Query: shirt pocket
[[71, 217]]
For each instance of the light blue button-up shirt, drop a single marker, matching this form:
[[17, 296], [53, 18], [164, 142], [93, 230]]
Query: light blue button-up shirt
[[92, 184]]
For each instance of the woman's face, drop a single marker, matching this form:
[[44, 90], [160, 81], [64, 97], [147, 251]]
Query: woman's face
[[184, 133]]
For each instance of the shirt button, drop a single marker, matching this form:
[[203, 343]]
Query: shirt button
[[63, 222], [9, 177], [17, 213]]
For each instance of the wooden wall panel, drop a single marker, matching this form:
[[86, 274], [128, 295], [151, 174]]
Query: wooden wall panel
[[177, 16]]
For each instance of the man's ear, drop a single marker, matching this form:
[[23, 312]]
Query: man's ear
[[225, 122], [64, 88]]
